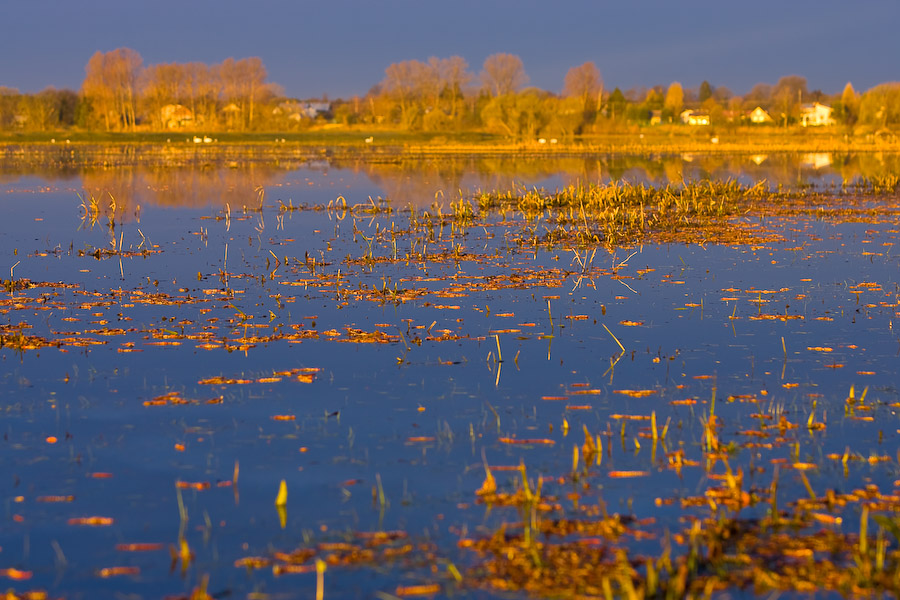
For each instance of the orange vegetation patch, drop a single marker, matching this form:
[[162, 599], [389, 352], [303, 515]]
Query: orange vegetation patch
[[417, 590], [15, 574], [192, 485], [627, 474], [636, 393], [116, 571], [546, 441], [224, 381], [145, 547], [92, 521], [288, 569]]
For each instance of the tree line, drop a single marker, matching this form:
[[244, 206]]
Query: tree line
[[120, 93]]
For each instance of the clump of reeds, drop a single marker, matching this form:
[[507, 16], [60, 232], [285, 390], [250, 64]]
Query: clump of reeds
[[621, 211]]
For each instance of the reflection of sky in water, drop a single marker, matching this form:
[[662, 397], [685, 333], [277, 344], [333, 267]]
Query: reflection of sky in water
[[96, 395]]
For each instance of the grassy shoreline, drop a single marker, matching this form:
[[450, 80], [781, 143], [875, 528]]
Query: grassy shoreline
[[646, 140]]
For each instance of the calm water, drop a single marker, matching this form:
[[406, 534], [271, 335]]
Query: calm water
[[336, 416]]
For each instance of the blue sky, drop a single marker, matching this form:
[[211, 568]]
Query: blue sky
[[341, 47]]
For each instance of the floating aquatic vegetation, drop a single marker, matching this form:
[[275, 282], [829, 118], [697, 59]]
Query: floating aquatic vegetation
[[721, 449]]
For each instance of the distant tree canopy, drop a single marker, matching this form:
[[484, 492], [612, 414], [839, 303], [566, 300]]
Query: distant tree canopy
[[880, 106], [120, 93], [787, 96], [583, 82], [503, 74], [428, 95], [111, 87], [617, 105], [848, 107], [583, 88], [674, 101]]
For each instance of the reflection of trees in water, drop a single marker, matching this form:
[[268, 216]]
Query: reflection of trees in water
[[192, 187], [873, 164], [416, 181], [410, 180], [674, 169]]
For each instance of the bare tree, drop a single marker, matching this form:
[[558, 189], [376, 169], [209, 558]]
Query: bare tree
[[583, 82], [97, 90], [230, 88], [163, 84], [253, 76], [124, 66], [40, 110], [456, 77], [201, 91], [759, 95], [403, 80], [110, 84], [788, 94], [503, 74]]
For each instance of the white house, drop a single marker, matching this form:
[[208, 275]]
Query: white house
[[815, 115], [689, 117], [297, 110]]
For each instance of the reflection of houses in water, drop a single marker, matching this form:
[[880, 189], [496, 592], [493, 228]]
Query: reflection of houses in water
[[178, 180], [816, 160]]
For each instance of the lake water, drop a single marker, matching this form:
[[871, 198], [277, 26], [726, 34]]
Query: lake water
[[195, 344]]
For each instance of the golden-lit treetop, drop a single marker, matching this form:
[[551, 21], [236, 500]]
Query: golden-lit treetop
[[583, 81], [674, 101], [503, 74]]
